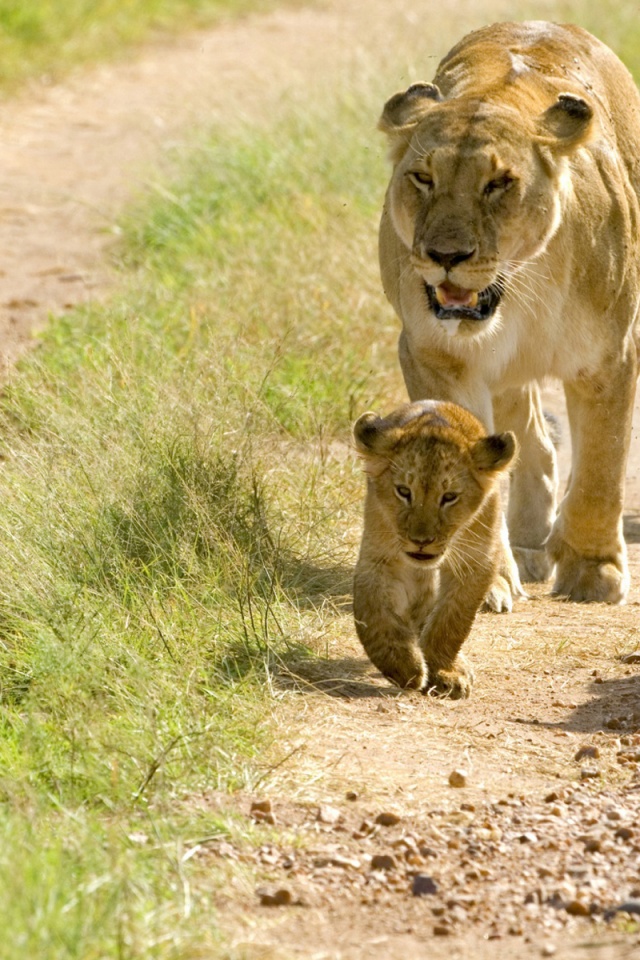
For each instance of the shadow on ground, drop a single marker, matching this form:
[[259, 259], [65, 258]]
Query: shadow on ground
[[631, 526], [348, 678], [614, 708]]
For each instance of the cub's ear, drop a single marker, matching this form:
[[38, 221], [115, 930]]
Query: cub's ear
[[366, 431], [567, 123], [407, 108], [493, 454]]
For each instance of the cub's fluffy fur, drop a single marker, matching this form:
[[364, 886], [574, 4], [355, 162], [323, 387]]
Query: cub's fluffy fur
[[431, 541]]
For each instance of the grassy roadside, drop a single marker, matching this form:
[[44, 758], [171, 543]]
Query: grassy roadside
[[46, 38], [178, 514], [179, 510]]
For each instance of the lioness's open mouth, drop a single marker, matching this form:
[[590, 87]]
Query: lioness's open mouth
[[449, 302]]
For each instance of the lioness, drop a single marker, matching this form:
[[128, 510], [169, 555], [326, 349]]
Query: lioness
[[431, 541], [510, 249]]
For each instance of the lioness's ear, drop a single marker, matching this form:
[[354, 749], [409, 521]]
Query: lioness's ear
[[407, 108], [492, 454], [567, 123]]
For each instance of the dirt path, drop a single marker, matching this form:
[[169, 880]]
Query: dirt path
[[533, 854]]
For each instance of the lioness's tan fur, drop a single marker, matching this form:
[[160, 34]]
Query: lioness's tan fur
[[431, 541], [518, 172]]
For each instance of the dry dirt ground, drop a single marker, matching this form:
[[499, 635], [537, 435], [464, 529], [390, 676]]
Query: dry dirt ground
[[373, 854]]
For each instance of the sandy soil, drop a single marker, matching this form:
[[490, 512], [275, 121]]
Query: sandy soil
[[541, 846]]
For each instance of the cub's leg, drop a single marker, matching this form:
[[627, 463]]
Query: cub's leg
[[465, 579], [387, 638], [587, 542], [534, 480]]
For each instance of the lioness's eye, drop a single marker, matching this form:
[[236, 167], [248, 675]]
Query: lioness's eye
[[404, 493], [421, 178], [449, 497], [500, 183]]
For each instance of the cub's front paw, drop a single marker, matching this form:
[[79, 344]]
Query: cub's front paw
[[587, 579], [453, 684], [534, 566], [499, 599]]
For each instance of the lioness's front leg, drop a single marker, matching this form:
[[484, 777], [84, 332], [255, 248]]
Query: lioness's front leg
[[533, 483], [587, 542]]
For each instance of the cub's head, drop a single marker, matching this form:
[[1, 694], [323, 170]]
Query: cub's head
[[430, 466], [476, 191]]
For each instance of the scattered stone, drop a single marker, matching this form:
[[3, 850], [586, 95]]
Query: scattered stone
[[613, 723], [469, 807], [262, 812], [388, 819], [528, 837], [337, 860], [383, 861], [576, 908], [624, 834], [441, 930], [328, 815], [423, 885], [590, 751], [592, 844], [589, 773], [282, 897], [548, 950], [458, 778], [365, 829], [351, 795]]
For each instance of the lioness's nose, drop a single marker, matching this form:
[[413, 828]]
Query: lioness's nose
[[448, 259]]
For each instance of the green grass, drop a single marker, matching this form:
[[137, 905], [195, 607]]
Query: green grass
[[45, 38], [178, 513], [178, 517]]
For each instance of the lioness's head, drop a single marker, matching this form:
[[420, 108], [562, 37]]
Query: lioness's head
[[476, 191], [430, 466]]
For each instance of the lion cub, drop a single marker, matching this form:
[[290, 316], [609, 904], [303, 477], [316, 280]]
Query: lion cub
[[431, 541]]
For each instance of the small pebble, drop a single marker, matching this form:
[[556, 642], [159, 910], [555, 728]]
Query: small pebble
[[423, 885], [576, 908], [588, 773], [388, 819], [351, 795], [589, 750], [279, 898], [548, 950], [383, 861], [261, 806], [458, 778], [328, 815]]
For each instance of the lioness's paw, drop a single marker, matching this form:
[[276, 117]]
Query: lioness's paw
[[589, 580], [534, 566], [408, 677], [452, 684]]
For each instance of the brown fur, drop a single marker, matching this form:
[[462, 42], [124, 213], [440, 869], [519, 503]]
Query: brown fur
[[518, 171], [432, 492]]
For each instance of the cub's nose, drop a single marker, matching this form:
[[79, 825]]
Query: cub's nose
[[423, 541], [449, 259]]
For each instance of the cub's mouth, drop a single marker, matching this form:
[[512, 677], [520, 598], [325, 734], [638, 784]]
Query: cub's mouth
[[423, 557], [449, 302]]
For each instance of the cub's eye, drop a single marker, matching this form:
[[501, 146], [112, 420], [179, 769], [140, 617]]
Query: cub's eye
[[421, 179], [449, 497], [500, 184], [403, 493]]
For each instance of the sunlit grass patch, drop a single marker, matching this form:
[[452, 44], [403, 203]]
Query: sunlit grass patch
[[47, 37]]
